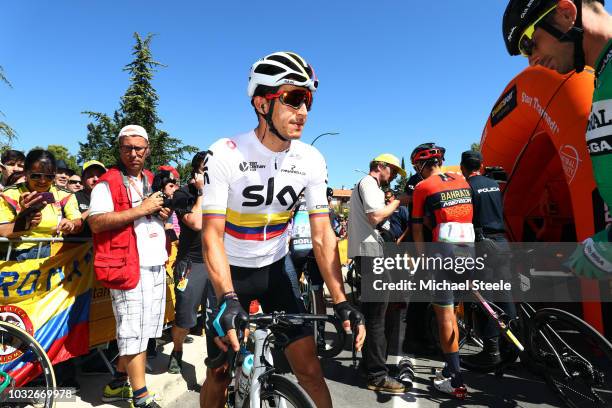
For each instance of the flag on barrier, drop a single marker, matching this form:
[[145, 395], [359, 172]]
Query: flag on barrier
[[50, 299]]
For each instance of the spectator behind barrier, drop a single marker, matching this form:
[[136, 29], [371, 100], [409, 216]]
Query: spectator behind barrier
[[10, 162], [62, 174], [129, 256], [37, 208], [75, 183], [92, 171]]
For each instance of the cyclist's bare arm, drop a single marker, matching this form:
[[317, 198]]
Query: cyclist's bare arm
[[325, 246], [214, 255]]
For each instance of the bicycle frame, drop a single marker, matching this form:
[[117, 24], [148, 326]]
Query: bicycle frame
[[262, 367]]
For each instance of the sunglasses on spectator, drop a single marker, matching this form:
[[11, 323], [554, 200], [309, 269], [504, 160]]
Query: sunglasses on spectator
[[128, 149], [38, 176], [74, 181], [294, 98]]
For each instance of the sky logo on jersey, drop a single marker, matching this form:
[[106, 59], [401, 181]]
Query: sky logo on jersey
[[258, 195]]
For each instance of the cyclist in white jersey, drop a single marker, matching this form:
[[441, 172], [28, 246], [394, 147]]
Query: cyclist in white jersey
[[253, 181]]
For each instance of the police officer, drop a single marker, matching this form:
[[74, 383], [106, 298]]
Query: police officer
[[490, 232]]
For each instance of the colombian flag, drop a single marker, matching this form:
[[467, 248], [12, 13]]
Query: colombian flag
[[50, 299]]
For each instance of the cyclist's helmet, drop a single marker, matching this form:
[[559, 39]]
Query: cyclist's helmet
[[519, 15], [330, 192], [282, 68], [427, 152]]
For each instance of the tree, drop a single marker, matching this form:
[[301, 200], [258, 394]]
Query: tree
[[61, 153], [400, 184], [7, 133], [137, 106], [475, 146]]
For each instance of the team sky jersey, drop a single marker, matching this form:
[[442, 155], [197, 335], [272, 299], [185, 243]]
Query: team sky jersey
[[448, 197], [599, 129], [255, 190]]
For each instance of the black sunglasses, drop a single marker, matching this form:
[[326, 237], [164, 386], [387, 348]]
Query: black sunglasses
[[74, 181], [38, 176]]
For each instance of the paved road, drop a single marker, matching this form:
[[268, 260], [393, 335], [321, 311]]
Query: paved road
[[518, 388]]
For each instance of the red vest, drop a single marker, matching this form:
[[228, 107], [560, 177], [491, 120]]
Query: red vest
[[116, 260]]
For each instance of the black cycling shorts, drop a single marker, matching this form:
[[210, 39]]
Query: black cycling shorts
[[305, 259], [276, 288]]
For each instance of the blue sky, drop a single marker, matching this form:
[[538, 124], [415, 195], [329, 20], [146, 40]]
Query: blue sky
[[393, 74]]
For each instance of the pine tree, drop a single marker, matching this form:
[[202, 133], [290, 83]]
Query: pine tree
[[6, 132], [137, 106]]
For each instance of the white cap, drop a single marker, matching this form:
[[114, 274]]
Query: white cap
[[133, 130]]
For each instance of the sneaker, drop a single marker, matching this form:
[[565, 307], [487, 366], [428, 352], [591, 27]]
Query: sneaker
[[188, 340], [121, 393], [387, 385], [149, 403], [175, 365], [444, 385]]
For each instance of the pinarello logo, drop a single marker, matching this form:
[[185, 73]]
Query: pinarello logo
[[570, 160], [17, 316], [231, 144]]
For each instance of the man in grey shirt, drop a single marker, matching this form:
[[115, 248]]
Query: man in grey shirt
[[367, 210]]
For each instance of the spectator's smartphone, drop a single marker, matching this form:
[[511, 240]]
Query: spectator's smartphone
[[46, 197]]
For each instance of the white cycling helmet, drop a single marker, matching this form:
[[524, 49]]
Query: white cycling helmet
[[282, 68]]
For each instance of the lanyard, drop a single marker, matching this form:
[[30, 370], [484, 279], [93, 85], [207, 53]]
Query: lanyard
[[141, 195]]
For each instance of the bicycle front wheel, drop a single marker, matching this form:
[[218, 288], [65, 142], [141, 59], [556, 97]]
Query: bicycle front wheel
[[280, 391], [14, 340], [577, 358]]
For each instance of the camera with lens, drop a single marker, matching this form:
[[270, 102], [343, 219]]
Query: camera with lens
[[184, 203]]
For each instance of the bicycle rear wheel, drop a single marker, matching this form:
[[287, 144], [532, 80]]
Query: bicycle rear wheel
[[13, 339], [280, 389], [578, 359]]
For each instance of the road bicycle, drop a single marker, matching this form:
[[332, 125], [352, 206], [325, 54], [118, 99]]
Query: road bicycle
[[263, 387], [573, 357], [24, 349], [329, 334]]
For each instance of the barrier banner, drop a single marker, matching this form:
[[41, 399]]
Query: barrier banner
[[50, 299]]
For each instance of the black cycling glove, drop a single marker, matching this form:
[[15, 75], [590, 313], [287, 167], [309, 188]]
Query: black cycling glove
[[230, 315], [346, 311]]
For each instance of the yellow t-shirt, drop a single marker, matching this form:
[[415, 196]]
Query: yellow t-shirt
[[65, 206]]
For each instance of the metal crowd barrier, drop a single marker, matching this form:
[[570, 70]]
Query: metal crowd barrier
[[15, 241]]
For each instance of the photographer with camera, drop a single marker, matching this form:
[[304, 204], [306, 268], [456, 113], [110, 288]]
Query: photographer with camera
[[368, 216], [127, 221], [37, 208], [191, 285], [490, 232], [166, 182]]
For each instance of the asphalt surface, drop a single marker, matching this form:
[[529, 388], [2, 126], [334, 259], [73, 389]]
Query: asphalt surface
[[516, 388]]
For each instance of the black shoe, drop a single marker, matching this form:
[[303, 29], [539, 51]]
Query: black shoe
[[406, 372], [188, 340], [489, 356], [387, 385], [175, 364]]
